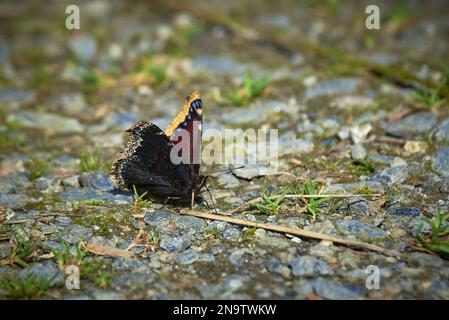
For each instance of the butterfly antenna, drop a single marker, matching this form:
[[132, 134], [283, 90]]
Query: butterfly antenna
[[215, 209], [228, 170]]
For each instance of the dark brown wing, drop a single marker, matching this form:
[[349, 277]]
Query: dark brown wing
[[145, 163]]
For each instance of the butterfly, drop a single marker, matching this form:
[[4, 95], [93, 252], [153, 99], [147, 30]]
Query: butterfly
[[164, 164]]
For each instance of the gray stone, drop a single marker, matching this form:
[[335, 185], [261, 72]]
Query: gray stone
[[5, 250], [231, 233], [375, 186], [274, 265], [12, 95], [65, 161], [74, 233], [208, 257], [442, 131], [71, 182], [234, 282], [83, 47], [239, 257], [99, 181], [190, 223], [174, 244], [358, 151], [225, 289], [7, 185], [15, 201], [331, 87], [124, 264], [425, 260], [439, 290], [73, 103], [20, 179], [398, 162], [441, 161], [118, 121], [85, 194], [322, 250], [359, 133], [294, 146], [307, 126], [332, 290], [391, 176], [62, 221], [412, 125], [354, 229], [277, 243], [309, 266], [133, 281], [45, 270], [216, 250], [351, 101], [381, 159], [358, 205], [51, 245], [227, 180], [252, 171], [46, 121], [217, 65], [158, 218], [188, 257], [44, 183], [404, 211], [244, 116], [107, 295], [444, 185], [102, 241]]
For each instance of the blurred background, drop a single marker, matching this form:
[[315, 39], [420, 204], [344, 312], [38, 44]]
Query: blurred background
[[71, 89]]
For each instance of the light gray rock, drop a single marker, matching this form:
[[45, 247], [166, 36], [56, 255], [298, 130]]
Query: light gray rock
[[440, 161], [412, 125], [45, 270], [99, 181], [391, 176], [83, 47], [355, 229], [331, 87], [86, 194], [46, 121], [358, 151], [441, 133], [188, 257], [309, 266]]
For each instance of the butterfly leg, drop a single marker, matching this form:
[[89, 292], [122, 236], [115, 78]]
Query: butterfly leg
[[193, 200]]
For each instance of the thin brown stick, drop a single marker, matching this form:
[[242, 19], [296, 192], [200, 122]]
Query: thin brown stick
[[15, 221], [294, 231]]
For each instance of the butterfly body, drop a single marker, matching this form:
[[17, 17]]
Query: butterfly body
[[147, 161]]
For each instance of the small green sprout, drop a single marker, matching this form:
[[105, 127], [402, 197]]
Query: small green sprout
[[251, 89], [24, 248], [139, 199], [28, 287], [439, 240], [312, 206], [90, 162]]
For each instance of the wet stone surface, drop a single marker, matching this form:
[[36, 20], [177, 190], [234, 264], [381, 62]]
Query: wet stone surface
[[358, 156]]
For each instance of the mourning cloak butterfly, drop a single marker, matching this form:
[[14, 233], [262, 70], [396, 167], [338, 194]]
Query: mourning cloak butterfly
[[166, 165]]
